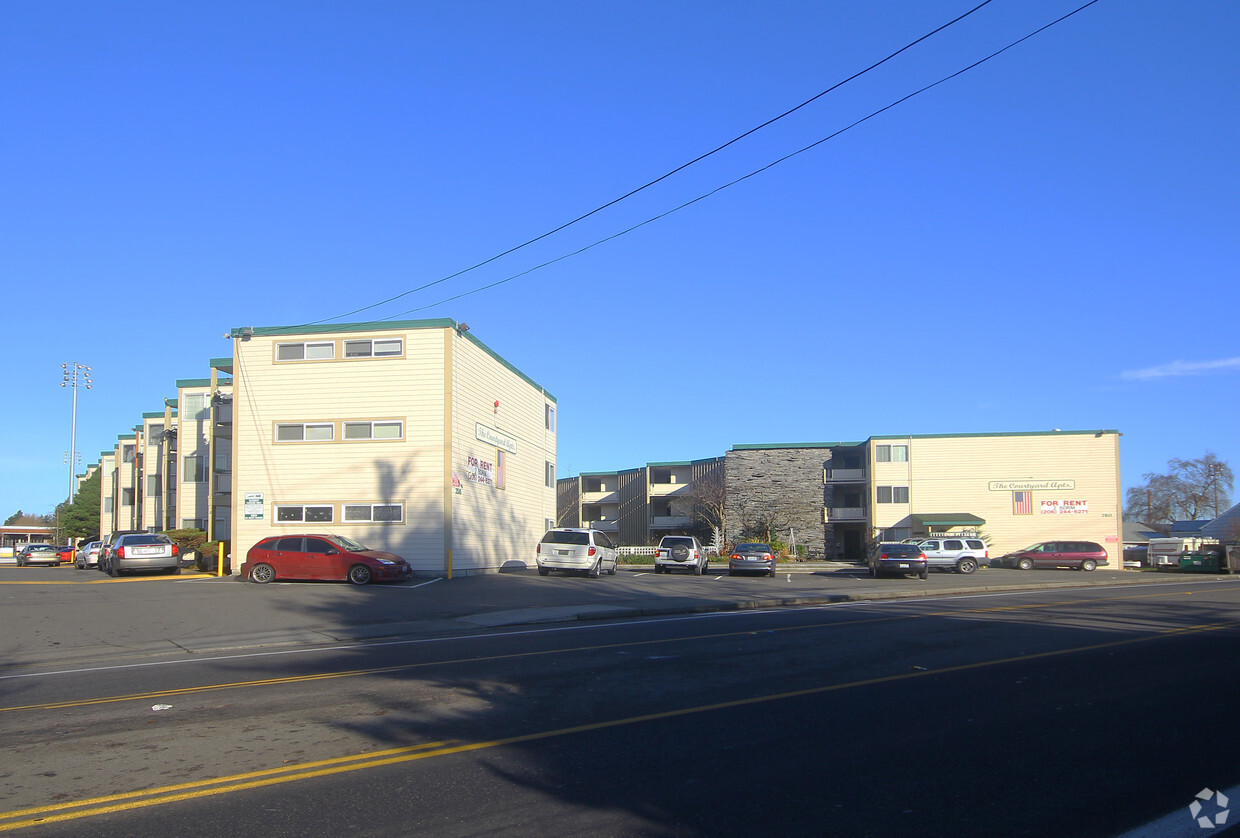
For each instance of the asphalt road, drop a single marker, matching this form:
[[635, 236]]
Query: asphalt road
[[1064, 711]]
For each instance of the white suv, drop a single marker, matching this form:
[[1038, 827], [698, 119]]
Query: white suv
[[963, 555], [570, 548], [682, 551]]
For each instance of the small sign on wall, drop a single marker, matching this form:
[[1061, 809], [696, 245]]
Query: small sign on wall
[[253, 506], [479, 470], [1065, 507]]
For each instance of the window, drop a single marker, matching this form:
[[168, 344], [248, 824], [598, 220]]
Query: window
[[307, 513], [378, 348], [127, 496], [223, 462], [155, 435], [193, 523], [194, 469], [153, 484], [316, 351], [899, 453], [373, 430], [892, 494], [501, 468], [550, 475], [197, 406], [374, 512], [550, 417], [882, 453], [316, 432], [127, 454]]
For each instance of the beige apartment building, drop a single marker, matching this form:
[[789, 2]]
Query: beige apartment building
[[412, 437], [204, 449], [1014, 488]]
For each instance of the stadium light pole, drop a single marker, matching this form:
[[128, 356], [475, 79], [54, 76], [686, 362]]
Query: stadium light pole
[[74, 374]]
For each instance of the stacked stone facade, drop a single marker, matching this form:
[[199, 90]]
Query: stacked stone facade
[[783, 484]]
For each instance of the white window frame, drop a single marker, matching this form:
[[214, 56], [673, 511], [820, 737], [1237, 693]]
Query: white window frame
[[197, 473], [376, 347], [550, 418], [306, 427], [351, 510], [302, 518], [372, 424], [311, 350]]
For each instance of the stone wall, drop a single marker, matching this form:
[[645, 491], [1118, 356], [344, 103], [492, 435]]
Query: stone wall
[[784, 481]]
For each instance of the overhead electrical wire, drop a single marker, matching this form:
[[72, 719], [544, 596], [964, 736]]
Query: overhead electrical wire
[[661, 178], [757, 171]]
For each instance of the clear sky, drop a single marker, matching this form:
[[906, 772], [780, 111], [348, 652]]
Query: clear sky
[[1049, 240]]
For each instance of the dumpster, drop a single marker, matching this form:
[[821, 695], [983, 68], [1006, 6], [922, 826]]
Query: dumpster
[[1200, 563]]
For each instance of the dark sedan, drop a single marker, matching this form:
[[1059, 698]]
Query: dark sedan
[[900, 559]]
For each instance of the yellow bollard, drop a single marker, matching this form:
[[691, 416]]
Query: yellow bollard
[[219, 562]]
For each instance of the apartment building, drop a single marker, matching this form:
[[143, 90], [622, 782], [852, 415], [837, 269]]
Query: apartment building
[[204, 452], [641, 505], [412, 437]]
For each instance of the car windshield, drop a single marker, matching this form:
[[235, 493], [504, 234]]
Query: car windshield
[[144, 539], [672, 541], [40, 547], [901, 549], [561, 537], [350, 545]]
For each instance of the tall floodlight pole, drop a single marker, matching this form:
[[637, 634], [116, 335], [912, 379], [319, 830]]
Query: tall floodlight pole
[[73, 373]]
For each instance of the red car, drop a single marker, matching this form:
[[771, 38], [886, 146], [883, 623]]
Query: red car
[[66, 554], [319, 556]]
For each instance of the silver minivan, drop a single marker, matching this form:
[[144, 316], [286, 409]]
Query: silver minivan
[[569, 548]]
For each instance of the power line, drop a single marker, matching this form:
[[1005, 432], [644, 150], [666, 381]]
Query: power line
[[661, 178], [755, 172]]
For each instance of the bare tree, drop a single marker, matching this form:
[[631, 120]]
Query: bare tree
[[1192, 490], [707, 495]]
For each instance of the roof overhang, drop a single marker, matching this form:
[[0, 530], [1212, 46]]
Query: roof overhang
[[948, 519]]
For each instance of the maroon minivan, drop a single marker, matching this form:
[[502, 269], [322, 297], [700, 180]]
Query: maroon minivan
[[1083, 555], [317, 556]]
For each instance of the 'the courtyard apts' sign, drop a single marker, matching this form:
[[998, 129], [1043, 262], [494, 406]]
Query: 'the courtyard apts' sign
[[494, 437], [1031, 485]]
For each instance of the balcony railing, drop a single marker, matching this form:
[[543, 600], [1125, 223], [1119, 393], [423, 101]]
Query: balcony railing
[[600, 497], [664, 490], [845, 475], [667, 522], [837, 514]]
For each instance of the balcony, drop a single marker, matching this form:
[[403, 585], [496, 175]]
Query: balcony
[[843, 514], [845, 475], [666, 490], [600, 497], [669, 522]]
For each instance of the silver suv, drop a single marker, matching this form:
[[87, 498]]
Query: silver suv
[[961, 554], [682, 551]]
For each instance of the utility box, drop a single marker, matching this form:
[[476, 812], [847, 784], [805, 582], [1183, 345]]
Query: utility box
[[1206, 562]]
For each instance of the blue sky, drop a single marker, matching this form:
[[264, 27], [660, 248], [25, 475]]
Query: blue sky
[[1046, 241]]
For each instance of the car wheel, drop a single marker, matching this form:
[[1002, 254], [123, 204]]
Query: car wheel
[[262, 573], [544, 571], [771, 572], [1025, 564], [697, 570], [174, 571], [612, 572], [359, 574], [1088, 564], [593, 572], [113, 571], [966, 566], [925, 574]]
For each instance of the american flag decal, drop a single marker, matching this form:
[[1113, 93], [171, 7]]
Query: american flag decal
[[1022, 503]]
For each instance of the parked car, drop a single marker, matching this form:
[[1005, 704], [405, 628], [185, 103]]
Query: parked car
[[143, 551], [88, 555], [902, 559], [1083, 555], [963, 555], [568, 548], [681, 551], [105, 547], [38, 554], [749, 557], [321, 556], [66, 553]]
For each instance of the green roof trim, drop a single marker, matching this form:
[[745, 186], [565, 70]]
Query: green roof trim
[[670, 463], [1094, 432], [222, 364], [183, 383], [949, 519], [389, 326], [153, 415], [761, 446], [126, 436]]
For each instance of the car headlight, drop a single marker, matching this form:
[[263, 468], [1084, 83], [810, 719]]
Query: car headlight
[[385, 561]]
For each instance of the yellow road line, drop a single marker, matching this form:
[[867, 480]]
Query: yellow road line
[[125, 801]]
